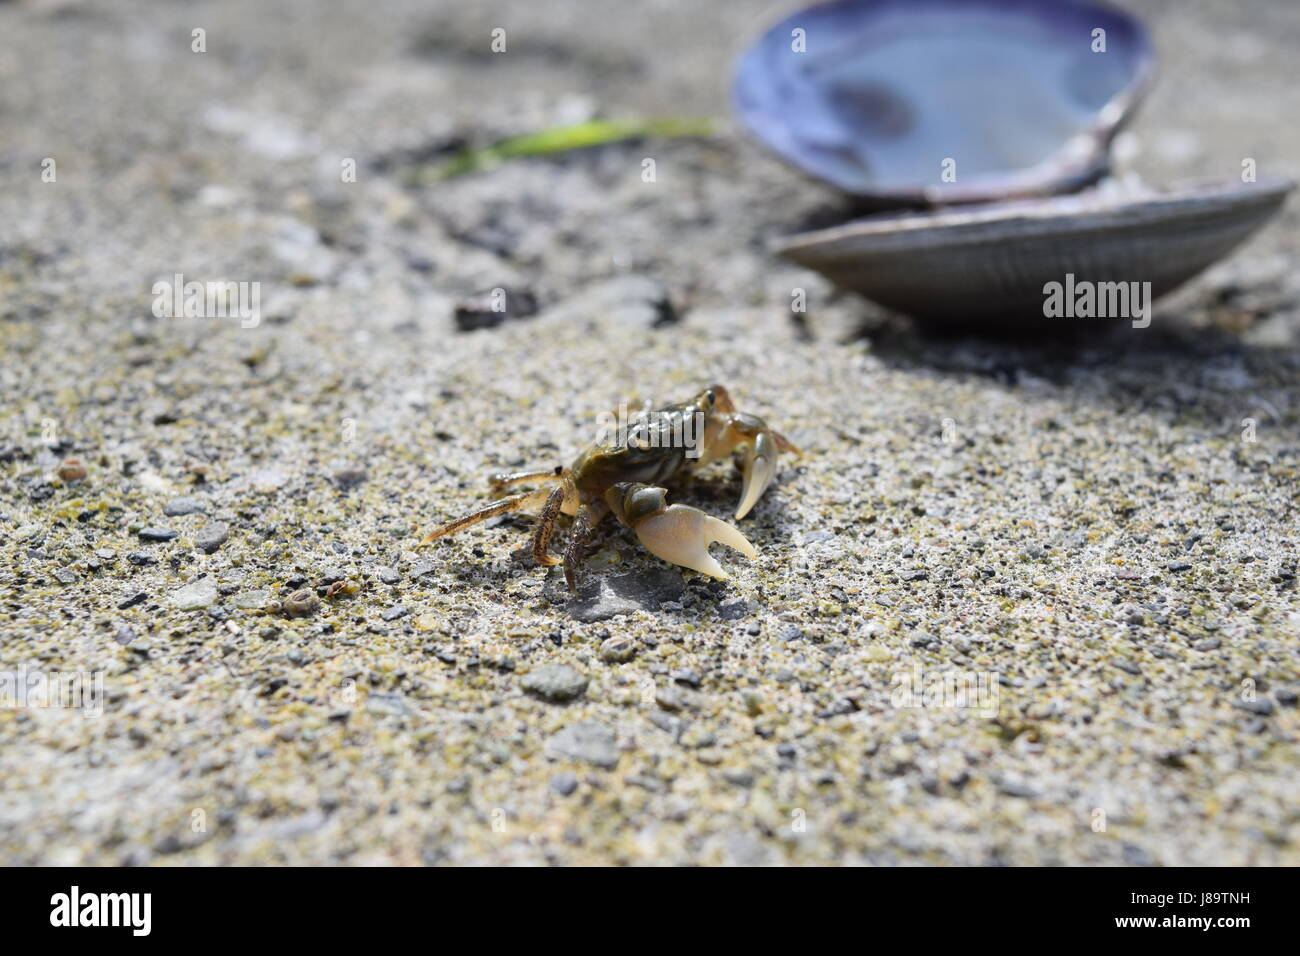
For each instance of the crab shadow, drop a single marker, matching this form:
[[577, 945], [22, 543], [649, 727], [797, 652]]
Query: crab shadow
[[649, 584], [605, 594]]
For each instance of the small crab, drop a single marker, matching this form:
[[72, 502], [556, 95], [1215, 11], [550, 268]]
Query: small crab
[[622, 474]]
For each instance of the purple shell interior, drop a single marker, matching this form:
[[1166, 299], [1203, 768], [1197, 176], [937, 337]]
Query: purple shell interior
[[945, 100]]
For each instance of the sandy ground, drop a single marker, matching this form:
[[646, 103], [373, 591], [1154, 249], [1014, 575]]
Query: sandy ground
[[1082, 532]]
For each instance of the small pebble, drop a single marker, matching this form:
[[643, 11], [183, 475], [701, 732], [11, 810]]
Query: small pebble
[[349, 477], [670, 698], [687, 677], [564, 783], [211, 537], [183, 506], [395, 612], [485, 310], [196, 594], [557, 683], [1015, 788], [590, 741], [251, 600], [71, 470], [302, 603], [734, 609], [387, 705], [1260, 705], [616, 650], [137, 598], [739, 777]]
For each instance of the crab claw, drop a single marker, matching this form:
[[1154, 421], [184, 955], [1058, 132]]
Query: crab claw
[[760, 468], [681, 535]]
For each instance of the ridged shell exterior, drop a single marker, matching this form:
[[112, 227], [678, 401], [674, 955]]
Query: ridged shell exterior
[[983, 267]]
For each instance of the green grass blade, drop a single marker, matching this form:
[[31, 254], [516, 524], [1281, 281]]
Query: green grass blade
[[563, 139]]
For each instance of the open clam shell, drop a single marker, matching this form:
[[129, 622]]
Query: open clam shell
[[944, 101], [993, 263]]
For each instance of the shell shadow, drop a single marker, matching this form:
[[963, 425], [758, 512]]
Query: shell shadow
[[1196, 374]]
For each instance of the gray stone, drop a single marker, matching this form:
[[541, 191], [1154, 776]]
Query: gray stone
[[1016, 788], [196, 594], [1260, 705], [601, 597], [486, 310], [557, 683], [349, 476], [739, 777], [816, 537], [633, 301], [670, 698], [387, 705], [564, 783], [211, 537], [251, 600], [733, 609], [745, 849], [183, 506], [669, 724], [132, 600], [686, 676], [589, 741]]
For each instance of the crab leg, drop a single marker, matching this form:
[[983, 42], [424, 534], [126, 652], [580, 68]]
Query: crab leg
[[508, 479], [758, 466], [499, 507], [759, 469], [760, 445], [679, 534], [589, 515], [545, 526]]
